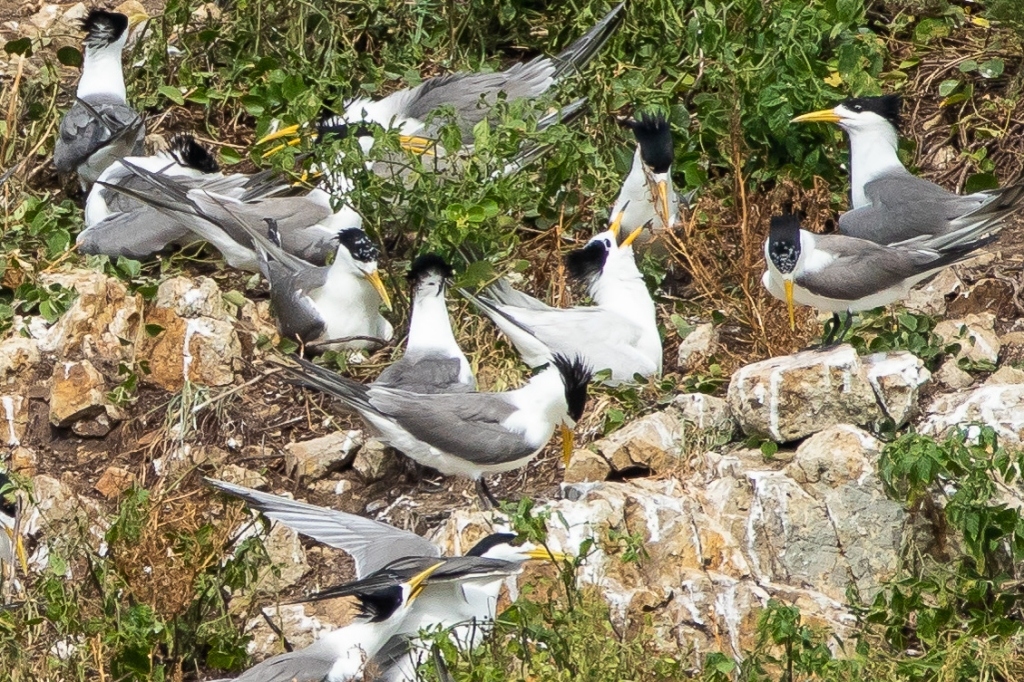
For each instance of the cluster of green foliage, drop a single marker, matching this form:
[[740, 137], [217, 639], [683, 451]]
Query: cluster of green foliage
[[84, 615]]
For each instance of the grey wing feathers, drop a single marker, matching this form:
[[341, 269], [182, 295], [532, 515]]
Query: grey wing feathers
[[583, 49], [120, 235], [371, 544], [312, 664], [90, 125], [502, 292], [424, 373], [466, 425], [297, 315], [353, 393]]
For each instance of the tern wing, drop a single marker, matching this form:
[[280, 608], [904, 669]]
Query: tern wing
[[464, 425], [371, 544], [137, 233], [425, 373], [312, 664], [502, 292], [861, 268], [93, 123], [297, 315]]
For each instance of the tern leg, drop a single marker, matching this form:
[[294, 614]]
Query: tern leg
[[845, 329], [831, 327], [488, 500]]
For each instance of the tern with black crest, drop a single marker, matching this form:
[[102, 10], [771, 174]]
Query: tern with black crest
[[433, 361], [840, 274], [889, 205], [100, 127], [647, 197], [619, 333], [467, 434]]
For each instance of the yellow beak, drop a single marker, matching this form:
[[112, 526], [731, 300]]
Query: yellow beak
[[568, 443], [632, 236], [416, 145], [617, 222], [822, 116], [136, 18], [788, 284], [19, 549], [661, 190], [273, 150], [542, 554], [416, 583], [374, 279], [278, 134]]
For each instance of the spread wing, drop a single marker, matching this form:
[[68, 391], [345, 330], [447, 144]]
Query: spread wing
[[371, 544]]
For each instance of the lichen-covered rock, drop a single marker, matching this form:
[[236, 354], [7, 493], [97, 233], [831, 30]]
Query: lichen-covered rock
[[651, 442], [896, 378], [976, 336], [705, 412], [700, 557], [312, 459], [698, 346], [15, 417], [1000, 406], [930, 297], [191, 297], [374, 461], [950, 375], [18, 355], [102, 323], [114, 481], [794, 396], [199, 349], [78, 393]]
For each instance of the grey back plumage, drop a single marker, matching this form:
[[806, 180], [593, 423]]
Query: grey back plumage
[[91, 125], [425, 373], [465, 425]]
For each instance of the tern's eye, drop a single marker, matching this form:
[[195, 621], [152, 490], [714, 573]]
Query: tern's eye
[[607, 243]]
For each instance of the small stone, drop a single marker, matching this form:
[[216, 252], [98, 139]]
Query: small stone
[[191, 298], [77, 392], [706, 412], [976, 336], [286, 555], [232, 473], [198, 349], [24, 461], [114, 481], [834, 456], [1006, 375], [329, 487], [314, 458], [697, 347], [97, 427], [17, 356], [374, 460], [930, 298], [950, 375], [587, 465], [896, 378], [15, 414], [652, 442], [291, 622], [793, 396]]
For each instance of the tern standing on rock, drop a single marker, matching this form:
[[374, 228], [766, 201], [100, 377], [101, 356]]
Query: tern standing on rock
[[100, 127]]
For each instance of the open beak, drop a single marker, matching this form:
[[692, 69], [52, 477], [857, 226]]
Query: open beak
[[661, 190], [788, 284], [417, 145], [416, 583], [374, 279], [542, 554], [617, 222], [632, 237], [823, 116], [568, 443]]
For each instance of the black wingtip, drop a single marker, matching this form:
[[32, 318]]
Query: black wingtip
[[427, 264], [188, 152], [103, 28], [490, 542], [576, 375]]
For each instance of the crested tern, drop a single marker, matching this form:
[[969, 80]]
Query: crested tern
[[619, 333], [889, 205], [433, 361], [647, 195], [839, 274], [473, 95], [384, 601], [468, 609], [467, 434], [100, 127]]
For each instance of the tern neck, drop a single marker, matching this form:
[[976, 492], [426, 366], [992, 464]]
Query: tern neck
[[634, 191], [620, 287], [542, 406], [430, 328], [356, 644], [872, 152], [101, 72]]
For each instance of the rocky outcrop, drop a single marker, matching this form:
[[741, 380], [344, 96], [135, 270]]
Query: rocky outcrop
[[1000, 406], [794, 396], [714, 546]]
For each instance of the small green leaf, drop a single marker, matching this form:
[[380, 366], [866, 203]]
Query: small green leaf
[[948, 87], [981, 181], [172, 93], [968, 65], [69, 56], [153, 330], [929, 29], [19, 46], [229, 156], [993, 68]]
